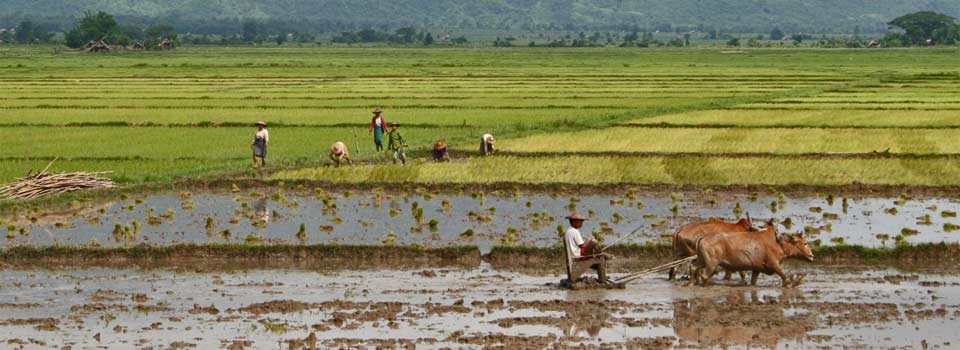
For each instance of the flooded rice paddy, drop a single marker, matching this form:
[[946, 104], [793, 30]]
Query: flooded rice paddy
[[851, 307], [482, 219]]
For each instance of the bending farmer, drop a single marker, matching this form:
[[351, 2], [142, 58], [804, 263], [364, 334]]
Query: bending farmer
[[486, 144], [260, 141], [339, 152]]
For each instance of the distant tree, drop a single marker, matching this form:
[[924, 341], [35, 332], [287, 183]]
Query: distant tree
[[927, 25], [91, 27], [776, 34], [460, 40], [713, 34], [252, 30], [733, 41], [303, 38], [406, 35], [428, 39], [753, 42], [797, 39], [161, 31], [281, 38], [686, 39], [24, 33]]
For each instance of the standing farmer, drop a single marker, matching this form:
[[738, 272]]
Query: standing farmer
[[397, 144], [260, 141], [378, 126], [486, 144]]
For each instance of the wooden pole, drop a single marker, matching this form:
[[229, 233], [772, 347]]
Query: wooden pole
[[356, 140]]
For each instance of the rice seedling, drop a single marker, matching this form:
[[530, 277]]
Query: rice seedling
[[390, 239], [251, 238], [302, 233]]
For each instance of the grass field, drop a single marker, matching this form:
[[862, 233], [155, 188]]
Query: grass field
[[671, 116]]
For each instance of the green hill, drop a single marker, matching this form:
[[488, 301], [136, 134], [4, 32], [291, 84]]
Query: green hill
[[331, 15]]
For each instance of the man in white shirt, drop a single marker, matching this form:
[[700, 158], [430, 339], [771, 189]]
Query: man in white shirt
[[487, 142], [585, 250], [579, 248]]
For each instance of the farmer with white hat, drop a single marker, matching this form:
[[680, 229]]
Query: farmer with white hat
[[486, 144], [260, 141]]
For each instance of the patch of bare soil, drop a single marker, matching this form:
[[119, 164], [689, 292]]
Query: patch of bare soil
[[40, 324]]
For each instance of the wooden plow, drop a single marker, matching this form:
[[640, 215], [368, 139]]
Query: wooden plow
[[672, 264]]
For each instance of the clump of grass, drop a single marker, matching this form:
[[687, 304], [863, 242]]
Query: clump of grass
[[810, 230], [252, 239], [737, 210], [816, 209], [846, 205], [933, 208], [906, 231], [617, 218], [529, 204], [924, 220], [830, 199], [755, 196], [390, 239], [447, 205], [837, 240], [394, 212], [675, 209], [787, 223], [326, 228], [948, 214], [883, 237], [773, 207], [302, 233], [433, 224], [891, 211], [234, 188], [226, 234], [467, 234], [94, 243], [950, 227], [830, 216]]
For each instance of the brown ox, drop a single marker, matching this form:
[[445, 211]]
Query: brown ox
[[761, 252], [685, 239]]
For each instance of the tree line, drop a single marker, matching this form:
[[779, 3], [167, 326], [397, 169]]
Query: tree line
[[916, 29]]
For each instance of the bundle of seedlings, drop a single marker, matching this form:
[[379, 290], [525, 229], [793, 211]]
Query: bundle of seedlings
[[43, 183]]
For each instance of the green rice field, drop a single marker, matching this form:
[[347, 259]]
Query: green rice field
[[590, 115]]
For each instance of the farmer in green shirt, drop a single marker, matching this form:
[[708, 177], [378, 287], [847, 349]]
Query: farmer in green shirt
[[396, 145]]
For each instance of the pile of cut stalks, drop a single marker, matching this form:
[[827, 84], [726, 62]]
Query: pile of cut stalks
[[44, 184]]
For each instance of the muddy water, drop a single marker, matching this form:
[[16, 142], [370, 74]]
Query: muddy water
[[854, 307], [523, 218]]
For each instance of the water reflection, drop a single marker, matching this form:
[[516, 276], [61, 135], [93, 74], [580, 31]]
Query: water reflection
[[740, 317]]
